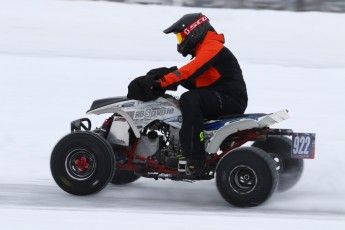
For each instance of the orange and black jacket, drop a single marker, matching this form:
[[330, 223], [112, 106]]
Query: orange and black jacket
[[214, 67]]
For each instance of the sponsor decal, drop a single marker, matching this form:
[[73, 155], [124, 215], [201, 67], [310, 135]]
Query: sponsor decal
[[152, 113], [179, 119], [194, 25], [201, 135], [128, 104]]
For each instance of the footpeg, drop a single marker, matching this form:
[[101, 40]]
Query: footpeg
[[182, 165]]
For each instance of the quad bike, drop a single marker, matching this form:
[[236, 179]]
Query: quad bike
[[248, 159]]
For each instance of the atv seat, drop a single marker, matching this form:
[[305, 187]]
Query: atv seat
[[213, 124], [237, 116], [248, 115]]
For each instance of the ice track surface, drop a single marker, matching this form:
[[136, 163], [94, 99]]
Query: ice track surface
[[171, 204]]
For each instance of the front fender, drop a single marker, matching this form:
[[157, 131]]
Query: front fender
[[120, 112]]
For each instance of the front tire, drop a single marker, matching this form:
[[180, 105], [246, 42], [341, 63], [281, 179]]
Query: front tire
[[82, 163], [246, 177]]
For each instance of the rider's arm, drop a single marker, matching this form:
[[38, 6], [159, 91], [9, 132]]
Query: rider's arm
[[204, 59]]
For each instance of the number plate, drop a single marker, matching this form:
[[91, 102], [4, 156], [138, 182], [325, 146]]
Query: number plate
[[303, 145]]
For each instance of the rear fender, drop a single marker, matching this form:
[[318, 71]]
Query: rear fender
[[244, 124], [227, 130]]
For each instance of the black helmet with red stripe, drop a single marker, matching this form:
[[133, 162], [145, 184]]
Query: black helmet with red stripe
[[190, 30]]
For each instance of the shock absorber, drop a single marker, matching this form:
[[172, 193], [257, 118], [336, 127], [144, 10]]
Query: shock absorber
[[104, 130]]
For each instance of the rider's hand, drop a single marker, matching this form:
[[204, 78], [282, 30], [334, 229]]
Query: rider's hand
[[156, 88], [156, 85]]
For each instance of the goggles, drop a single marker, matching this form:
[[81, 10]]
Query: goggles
[[179, 37]]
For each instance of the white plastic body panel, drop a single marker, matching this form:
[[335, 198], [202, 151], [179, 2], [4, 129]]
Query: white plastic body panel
[[139, 114], [244, 124]]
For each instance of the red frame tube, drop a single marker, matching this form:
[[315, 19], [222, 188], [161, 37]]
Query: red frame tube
[[153, 166]]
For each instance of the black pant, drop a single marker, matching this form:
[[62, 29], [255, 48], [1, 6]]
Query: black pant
[[197, 105]]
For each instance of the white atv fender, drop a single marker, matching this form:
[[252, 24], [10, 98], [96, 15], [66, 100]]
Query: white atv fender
[[244, 124], [112, 109]]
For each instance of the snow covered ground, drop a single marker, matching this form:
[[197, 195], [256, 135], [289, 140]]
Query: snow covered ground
[[57, 56]]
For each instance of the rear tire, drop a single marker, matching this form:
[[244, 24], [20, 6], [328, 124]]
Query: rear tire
[[290, 169], [246, 177], [82, 163]]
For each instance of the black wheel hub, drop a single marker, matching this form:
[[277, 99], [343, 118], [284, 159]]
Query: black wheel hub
[[243, 179], [80, 164]]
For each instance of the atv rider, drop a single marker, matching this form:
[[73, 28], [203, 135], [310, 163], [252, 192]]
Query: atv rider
[[214, 80]]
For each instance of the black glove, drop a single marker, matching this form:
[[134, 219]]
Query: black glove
[[155, 85], [141, 88], [156, 88], [160, 72], [147, 88]]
